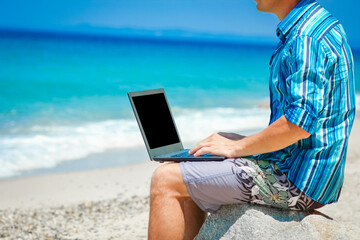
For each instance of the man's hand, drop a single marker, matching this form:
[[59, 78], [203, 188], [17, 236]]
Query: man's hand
[[216, 144], [278, 135]]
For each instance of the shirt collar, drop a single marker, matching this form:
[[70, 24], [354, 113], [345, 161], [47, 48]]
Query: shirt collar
[[292, 18]]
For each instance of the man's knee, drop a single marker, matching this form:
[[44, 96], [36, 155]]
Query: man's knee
[[167, 180]]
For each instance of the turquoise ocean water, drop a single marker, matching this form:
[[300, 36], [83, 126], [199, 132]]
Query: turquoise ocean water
[[63, 97]]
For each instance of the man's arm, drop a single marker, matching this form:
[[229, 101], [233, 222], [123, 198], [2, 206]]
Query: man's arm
[[278, 135]]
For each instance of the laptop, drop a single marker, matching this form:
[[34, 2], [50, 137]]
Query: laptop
[[158, 128]]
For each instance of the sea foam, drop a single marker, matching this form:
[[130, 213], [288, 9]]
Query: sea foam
[[46, 146]]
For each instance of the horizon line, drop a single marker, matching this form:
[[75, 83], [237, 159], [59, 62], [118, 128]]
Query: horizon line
[[152, 34], [149, 34]]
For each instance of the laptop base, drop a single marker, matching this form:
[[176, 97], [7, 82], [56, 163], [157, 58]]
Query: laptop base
[[183, 156]]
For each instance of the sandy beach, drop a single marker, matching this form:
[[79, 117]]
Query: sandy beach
[[98, 204], [112, 203]]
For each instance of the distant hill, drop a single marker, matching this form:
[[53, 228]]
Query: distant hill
[[165, 34]]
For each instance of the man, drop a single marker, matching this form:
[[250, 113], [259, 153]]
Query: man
[[298, 161]]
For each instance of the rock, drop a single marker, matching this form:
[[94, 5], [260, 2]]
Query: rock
[[247, 221]]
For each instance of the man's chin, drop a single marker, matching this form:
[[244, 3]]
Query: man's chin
[[260, 8]]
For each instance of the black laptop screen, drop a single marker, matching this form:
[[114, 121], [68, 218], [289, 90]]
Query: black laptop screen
[[156, 120]]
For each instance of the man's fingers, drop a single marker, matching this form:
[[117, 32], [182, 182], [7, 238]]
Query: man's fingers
[[198, 146], [215, 144], [202, 151], [207, 142], [194, 149]]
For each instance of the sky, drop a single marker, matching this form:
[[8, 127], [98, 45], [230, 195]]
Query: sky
[[234, 17]]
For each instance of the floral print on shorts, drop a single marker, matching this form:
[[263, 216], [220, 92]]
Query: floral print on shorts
[[264, 183]]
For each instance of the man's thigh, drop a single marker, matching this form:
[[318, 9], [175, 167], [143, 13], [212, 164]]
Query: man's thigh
[[241, 180], [212, 184]]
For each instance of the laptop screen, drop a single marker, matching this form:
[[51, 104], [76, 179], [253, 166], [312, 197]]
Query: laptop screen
[[155, 117]]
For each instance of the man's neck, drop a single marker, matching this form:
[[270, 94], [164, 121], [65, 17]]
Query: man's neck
[[284, 9]]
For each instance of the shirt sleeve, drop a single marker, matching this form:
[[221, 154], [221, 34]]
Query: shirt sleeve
[[306, 65]]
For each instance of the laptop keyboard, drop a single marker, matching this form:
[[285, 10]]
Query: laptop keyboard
[[187, 155], [182, 155]]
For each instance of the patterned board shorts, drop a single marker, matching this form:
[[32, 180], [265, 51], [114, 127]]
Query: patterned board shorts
[[242, 180]]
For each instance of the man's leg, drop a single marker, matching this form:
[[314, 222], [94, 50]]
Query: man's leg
[[194, 219], [173, 214]]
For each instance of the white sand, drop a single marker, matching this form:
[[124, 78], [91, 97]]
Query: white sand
[[119, 197], [76, 187], [64, 201]]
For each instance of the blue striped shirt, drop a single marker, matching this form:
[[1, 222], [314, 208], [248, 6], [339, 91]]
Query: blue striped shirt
[[312, 85]]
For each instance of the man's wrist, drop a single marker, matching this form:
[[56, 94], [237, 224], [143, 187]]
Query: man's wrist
[[239, 148]]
